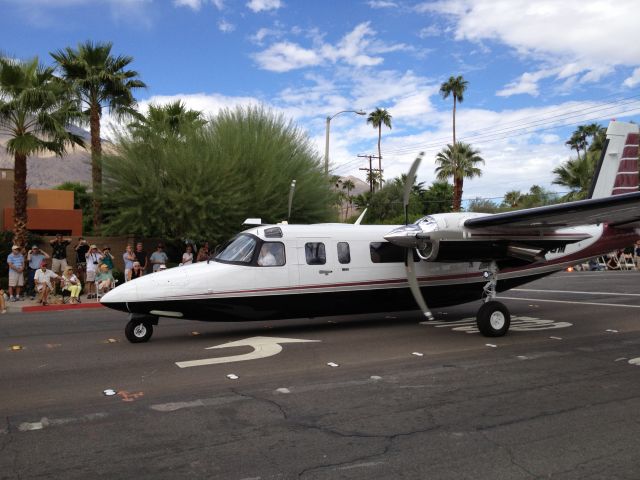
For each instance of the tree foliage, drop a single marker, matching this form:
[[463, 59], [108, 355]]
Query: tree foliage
[[100, 80], [35, 111], [458, 161], [240, 164], [377, 118]]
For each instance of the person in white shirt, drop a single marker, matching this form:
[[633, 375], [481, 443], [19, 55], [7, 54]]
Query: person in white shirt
[[187, 256], [94, 257], [43, 278]]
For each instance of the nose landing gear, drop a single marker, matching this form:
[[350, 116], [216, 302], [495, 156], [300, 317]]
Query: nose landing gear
[[140, 327]]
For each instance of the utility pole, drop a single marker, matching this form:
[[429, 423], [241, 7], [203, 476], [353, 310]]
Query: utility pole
[[370, 169]]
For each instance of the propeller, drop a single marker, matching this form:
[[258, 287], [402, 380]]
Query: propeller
[[410, 263]]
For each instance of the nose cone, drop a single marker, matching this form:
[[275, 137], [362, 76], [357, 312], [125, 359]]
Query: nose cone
[[404, 236], [120, 296]]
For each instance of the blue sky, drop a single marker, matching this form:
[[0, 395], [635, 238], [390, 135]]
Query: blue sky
[[535, 69]]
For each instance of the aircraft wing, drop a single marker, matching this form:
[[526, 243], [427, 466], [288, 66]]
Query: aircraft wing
[[618, 210]]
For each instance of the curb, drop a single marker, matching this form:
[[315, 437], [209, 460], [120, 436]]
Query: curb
[[50, 308]]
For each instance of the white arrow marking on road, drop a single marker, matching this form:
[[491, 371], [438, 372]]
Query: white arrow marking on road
[[262, 347]]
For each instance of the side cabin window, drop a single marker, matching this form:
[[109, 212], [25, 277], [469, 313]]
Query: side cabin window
[[385, 252], [271, 255], [315, 253], [344, 253]]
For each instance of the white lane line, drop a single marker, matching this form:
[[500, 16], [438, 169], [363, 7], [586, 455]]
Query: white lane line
[[569, 302], [55, 422], [572, 291]]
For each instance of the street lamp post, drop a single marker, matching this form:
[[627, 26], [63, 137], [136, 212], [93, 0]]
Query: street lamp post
[[326, 148]]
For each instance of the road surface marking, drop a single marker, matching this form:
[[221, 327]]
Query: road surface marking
[[263, 347], [570, 302], [573, 291]]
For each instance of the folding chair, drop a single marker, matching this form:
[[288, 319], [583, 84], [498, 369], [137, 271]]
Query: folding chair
[[627, 261]]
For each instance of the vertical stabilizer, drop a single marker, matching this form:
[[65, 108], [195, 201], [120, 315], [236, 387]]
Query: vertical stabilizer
[[617, 171]]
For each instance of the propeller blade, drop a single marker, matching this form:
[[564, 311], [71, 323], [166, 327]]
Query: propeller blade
[[411, 177], [415, 288]]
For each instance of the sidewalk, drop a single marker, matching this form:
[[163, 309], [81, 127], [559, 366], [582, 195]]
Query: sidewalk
[[30, 306]]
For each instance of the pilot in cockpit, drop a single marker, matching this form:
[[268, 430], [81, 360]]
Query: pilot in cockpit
[[271, 254]]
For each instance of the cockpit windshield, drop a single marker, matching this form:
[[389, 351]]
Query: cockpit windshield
[[240, 250]]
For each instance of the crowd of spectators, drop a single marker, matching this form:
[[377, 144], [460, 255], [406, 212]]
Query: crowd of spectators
[[93, 274]]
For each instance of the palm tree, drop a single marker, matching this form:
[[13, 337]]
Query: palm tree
[[100, 80], [35, 111], [172, 119], [455, 87], [577, 142], [348, 185], [377, 118], [459, 162], [512, 198], [576, 174]]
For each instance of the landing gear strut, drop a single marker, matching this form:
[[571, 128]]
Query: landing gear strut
[[493, 318], [140, 328]]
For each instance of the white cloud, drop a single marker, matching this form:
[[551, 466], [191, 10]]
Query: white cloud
[[358, 48], [285, 56], [382, 4], [225, 27], [193, 4], [591, 37], [264, 5], [633, 80], [430, 31], [219, 4]]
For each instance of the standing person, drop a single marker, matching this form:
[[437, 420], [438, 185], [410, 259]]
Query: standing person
[[35, 257], [94, 257], [82, 248], [72, 284], [107, 258], [187, 256], [128, 257], [136, 271], [43, 279], [3, 304], [16, 268], [203, 253], [158, 258], [141, 256], [59, 255]]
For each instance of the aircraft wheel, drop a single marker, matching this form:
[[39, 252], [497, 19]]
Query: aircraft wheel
[[493, 319], [138, 331]]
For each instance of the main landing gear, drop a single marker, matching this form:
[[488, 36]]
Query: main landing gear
[[140, 327], [493, 318]]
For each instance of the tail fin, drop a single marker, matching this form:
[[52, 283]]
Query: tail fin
[[617, 171]]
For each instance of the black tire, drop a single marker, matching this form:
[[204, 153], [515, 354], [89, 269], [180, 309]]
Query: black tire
[[493, 319], [138, 331]]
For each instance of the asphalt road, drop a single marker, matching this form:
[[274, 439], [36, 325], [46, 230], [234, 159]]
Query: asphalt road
[[558, 397]]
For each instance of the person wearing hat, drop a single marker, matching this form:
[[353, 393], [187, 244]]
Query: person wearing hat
[[104, 279], [35, 257], [94, 257], [107, 257], [44, 285], [59, 246], [158, 258], [16, 269], [71, 283]]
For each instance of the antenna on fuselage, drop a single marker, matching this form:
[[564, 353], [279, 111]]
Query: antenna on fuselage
[[359, 220], [291, 191]]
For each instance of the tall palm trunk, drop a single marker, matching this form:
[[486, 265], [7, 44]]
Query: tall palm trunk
[[454, 120], [20, 200], [380, 154], [96, 166], [457, 194]]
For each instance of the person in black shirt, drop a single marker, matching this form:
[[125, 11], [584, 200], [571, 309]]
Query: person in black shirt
[[141, 256], [59, 255], [81, 258]]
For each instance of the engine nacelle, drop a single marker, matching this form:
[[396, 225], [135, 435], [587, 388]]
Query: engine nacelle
[[428, 250]]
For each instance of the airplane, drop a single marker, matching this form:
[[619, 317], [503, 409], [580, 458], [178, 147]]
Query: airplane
[[283, 271]]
